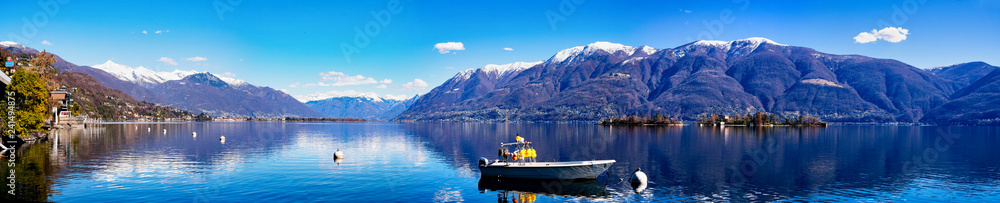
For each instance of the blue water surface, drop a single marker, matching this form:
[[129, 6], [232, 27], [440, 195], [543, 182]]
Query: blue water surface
[[436, 162]]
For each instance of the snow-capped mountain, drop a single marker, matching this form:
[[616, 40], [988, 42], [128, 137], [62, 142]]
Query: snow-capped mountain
[[10, 44], [192, 91], [735, 48], [498, 71], [143, 76], [365, 106], [603, 79], [598, 47]]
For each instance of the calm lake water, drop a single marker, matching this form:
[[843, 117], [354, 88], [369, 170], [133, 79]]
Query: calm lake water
[[436, 162]]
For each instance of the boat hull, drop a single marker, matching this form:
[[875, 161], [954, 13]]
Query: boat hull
[[546, 170]]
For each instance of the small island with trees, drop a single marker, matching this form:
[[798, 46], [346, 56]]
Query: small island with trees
[[757, 119], [657, 119], [290, 119]]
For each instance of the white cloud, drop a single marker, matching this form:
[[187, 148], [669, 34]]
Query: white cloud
[[168, 61], [416, 85], [865, 37], [382, 86], [294, 85], [386, 81], [447, 47], [196, 59], [341, 79], [890, 34], [345, 93], [159, 32], [46, 42], [144, 32], [228, 74], [685, 11], [508, 49]]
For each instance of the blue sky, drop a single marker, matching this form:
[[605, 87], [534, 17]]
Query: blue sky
[[298, 47]]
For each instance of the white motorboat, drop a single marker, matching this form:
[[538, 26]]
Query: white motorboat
[[521, 164], [545, 170]]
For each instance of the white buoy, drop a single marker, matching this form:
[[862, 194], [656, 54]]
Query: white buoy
[[164, 131], [194, 134], [338, 154], [638, 180], [638, 176], [639, 187], [149, 129], [223, 138]]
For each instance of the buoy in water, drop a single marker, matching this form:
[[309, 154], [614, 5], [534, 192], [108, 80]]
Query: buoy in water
[[164, 131], [638, 180], [149, 129], [194, 134], [223, 138], [638, 176], [338, 154]]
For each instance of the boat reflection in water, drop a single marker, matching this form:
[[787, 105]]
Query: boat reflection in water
[[526, 190]]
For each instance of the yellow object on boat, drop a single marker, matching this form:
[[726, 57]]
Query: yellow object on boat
[[526, 197], [519, 139], [531, 153]]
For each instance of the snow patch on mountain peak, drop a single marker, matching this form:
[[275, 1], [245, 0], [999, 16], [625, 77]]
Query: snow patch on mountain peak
[[230, 81], [735, 47], [498, 70], [10, 44], [143, 75], [501, 70], [648, 50], [465, 74], [592, 48]]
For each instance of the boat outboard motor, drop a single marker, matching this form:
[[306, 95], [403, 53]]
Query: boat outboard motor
[[483, 161]]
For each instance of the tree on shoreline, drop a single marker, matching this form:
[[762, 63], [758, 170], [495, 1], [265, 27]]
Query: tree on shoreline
[[30, 98], [29, 89]]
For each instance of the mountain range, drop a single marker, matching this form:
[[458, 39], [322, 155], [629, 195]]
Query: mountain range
[[603, 79], [191, 91], [370, 107]]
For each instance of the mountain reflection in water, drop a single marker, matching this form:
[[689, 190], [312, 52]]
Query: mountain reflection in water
[[389, 162]]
